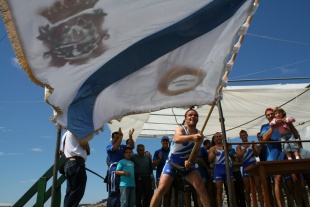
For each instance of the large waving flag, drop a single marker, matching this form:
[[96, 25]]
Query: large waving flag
[[101, 60]]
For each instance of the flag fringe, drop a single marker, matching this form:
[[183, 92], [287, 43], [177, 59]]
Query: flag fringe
[[20, 55], [89, 137], [234, 51], [235, 48], [15, 41], [48, 92]]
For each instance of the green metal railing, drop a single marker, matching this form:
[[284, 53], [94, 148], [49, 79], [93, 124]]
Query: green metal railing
[[39, 188]]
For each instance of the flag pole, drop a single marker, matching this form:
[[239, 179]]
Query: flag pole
[[55, 169], [235, 50]]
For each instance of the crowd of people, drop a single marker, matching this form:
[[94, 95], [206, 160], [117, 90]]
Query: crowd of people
[[179, 181]]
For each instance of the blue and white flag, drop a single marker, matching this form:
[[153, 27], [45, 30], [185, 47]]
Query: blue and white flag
[[101, 60]]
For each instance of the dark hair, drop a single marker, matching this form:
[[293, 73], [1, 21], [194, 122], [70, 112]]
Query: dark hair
[[140, 145], [280, 110], [127, 148], [114, 133], [212, 141], [206, 142], [243, 131], [191, 109]]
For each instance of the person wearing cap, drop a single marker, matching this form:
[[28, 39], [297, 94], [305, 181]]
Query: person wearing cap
[[115, 151], [160, 157], [159, 161]]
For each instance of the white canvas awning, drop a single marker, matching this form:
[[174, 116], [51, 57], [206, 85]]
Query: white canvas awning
[[243, 108]]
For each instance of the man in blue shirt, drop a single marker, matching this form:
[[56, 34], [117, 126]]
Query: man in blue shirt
[[160, 156], [274, 150], [206, 172], [115, 151]]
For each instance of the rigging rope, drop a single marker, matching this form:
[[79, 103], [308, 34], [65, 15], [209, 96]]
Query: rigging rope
[[276, 68], [3, 37], [278, 39], [279, 106]]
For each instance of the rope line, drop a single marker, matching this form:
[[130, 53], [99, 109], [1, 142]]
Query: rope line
[[276, 68], [3, 37], [175, 117], [264, 115], [278, 39]]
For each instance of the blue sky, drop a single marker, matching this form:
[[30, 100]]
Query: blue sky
[[277, 46]]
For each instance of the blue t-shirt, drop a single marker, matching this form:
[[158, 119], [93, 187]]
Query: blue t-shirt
[[162, 163], [203, 153], [274, 150], [263, 153], [126, 166], [116, 155], [232, 151]]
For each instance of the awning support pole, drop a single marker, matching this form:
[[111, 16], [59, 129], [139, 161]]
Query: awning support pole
[[228, 180]]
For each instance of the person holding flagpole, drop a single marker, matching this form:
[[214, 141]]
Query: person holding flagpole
[[177, 164]]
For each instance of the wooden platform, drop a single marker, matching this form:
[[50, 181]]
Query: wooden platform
[[265, 168]]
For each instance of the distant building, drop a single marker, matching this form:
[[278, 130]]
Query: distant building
[[6, 205]]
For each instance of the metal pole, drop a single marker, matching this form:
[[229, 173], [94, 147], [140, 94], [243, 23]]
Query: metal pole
[[55, 170], [228, 181], [94, 173]]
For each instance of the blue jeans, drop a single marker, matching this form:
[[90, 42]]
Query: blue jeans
[[76, 182], [128, 196]]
